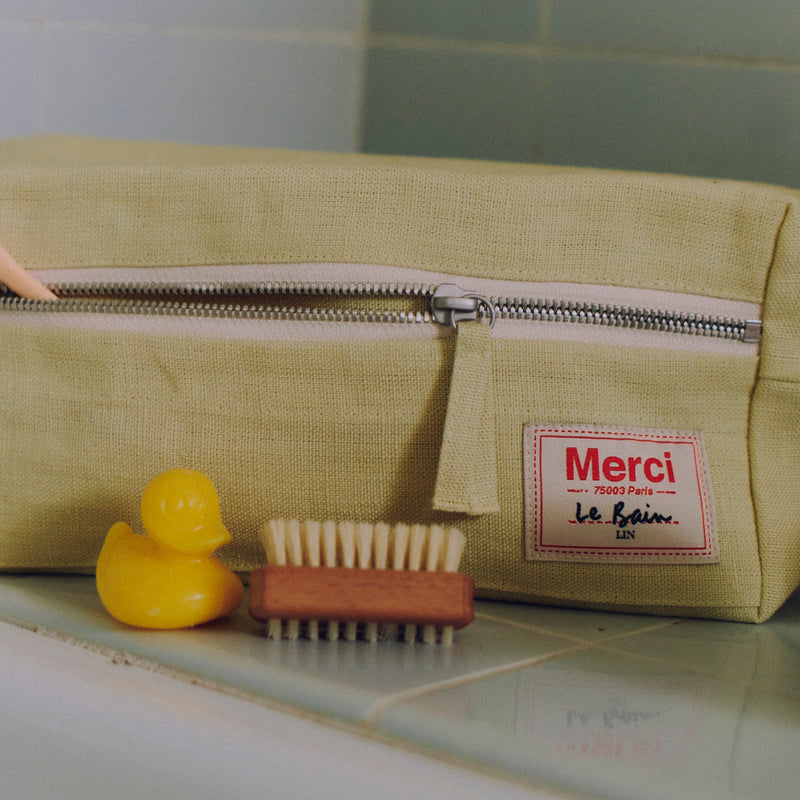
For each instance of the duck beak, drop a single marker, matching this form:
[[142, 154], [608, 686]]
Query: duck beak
[[201, 541], [217, 536], [224, 535]]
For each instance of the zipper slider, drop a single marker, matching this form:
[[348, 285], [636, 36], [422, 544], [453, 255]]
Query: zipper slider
[[450, 304]]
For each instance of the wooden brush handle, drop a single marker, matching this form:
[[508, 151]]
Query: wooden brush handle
[[362, 595]]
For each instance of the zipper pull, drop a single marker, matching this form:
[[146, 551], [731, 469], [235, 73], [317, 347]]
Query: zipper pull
[[450, 304], [466, 478]]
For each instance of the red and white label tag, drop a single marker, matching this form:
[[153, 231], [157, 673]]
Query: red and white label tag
[[617, 495]]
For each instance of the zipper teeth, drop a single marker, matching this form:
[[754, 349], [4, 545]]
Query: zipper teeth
[[166, 308], [250, 289], [617, 316], [162, 299], [159, 299]]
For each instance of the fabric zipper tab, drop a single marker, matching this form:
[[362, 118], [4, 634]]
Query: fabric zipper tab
[[466, 478]]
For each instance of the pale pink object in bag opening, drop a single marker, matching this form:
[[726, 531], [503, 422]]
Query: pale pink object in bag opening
[[20, 281]]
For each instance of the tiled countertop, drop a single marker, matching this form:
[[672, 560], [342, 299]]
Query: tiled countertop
[[535, 701]]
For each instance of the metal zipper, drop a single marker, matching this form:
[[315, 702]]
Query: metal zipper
[[223, 300], [446, 304], [456, 304]]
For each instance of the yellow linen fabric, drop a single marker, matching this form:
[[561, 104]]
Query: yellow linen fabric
[[358, 429]]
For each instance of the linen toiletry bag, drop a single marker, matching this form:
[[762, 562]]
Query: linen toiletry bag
[[594, 375]]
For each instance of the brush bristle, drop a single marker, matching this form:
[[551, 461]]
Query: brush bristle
[[361, 546]]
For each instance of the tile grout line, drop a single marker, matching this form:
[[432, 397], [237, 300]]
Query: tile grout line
[[541, 47], [544, 35], [647, 629], [533, 628], [371, 715], [365, 20], [42, 92], [665, 662], [120, 657], [579, 640], [549, 49], [342, 37], [370, 718]]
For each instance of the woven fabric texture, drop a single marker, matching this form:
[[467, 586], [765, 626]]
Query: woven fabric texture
[[382, 430]]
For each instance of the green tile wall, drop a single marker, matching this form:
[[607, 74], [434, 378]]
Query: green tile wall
[[478, 20], [733, 28], [450, 103], [701, 87], [712, 120]]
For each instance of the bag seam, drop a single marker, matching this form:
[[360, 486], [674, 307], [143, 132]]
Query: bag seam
[[756, 381]]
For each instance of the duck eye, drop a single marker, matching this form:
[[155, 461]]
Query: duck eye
[[174, 505], [184, 509]]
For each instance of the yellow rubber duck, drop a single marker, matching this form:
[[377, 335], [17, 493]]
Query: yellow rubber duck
[[169, 577]]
